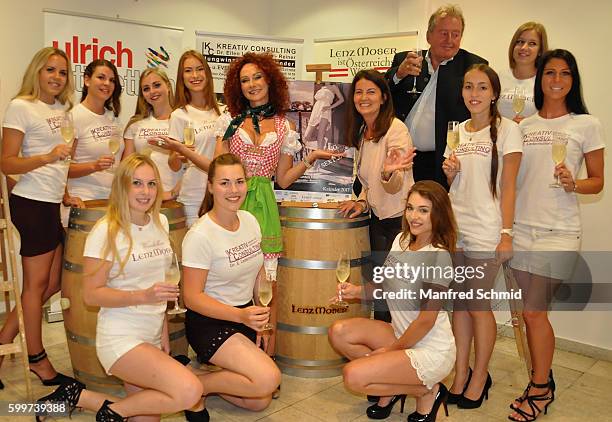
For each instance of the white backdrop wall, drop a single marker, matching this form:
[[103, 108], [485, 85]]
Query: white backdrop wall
[[581, 27]]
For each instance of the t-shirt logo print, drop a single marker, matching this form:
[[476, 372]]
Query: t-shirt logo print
[[243, 252]]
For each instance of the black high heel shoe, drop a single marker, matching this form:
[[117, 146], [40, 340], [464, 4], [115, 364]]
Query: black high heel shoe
[[65, 393], [465, 403], [454, 398], [58, 379], [106, 414], [531, 400], [441, 398], [199, 416], [378, 412], [521, 399]]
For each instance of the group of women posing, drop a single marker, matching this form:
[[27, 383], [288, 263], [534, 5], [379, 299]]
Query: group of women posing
[[499, 201]]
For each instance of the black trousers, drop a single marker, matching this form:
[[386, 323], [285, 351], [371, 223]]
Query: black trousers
[[382, 235]]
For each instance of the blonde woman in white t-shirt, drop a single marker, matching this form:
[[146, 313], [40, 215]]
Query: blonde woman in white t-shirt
[[481, 173], [150, 120], [32, 147], [126, 255], [222, 263], [548, 225], [95, 119]]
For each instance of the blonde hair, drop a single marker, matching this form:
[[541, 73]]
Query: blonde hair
[[30, 85], [183, 96], [528, 26], [143, 108], [118, 215], [448, 10]]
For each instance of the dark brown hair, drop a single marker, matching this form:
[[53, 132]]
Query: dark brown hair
[[227, 159], [278, 90], [113, 104], [385, 116], [443, 224]]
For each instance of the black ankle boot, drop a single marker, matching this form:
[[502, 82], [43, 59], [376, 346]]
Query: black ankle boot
[[106, 414], [199, 416], [378, 412]]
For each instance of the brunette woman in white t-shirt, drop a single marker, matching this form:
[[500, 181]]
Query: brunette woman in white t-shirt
[[528, 44], [222, 262], [126, 255], [547, 227], [95, 118], [481, 173], [413, 353], [32, 147], [152, 119]]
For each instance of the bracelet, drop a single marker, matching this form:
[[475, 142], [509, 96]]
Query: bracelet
[[575, 186], [508, 232], [306, 163]]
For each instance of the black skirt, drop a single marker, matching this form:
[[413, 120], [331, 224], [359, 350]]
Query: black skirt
[[205, 335]]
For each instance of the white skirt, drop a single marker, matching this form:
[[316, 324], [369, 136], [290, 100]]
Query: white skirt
[[432, 366]]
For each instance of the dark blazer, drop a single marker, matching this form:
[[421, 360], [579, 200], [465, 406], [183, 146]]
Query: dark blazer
[[449, 103]]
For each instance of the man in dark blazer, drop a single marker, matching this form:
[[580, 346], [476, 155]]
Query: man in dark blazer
[[439, 76]]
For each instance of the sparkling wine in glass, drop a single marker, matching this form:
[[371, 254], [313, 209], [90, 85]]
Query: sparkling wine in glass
[[265, 296], [189, 134], [114, 143], [343, 271], [172, 275], [518, 101], [417, 50], [559, 151], [67, 131]]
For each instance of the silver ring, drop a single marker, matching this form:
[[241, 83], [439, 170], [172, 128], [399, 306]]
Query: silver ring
[[160, 143]]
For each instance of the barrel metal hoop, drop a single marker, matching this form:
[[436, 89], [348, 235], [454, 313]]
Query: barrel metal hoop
[[176, 334], [315, 225], [173, 213], [98, 380], [177, 225], [87, 214], [77, 338], [86, 228], [314, 213], [310, 373], [306, 362], [313, 264], [301, 329], [72, 267]]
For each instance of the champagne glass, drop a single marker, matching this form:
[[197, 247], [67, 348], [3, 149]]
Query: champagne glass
[[559, 151], [452, 136], [189, 134], [518, 101], [172, 275], [114, 143], [343, 270], [67, 131], [265, 296], [417, 50]]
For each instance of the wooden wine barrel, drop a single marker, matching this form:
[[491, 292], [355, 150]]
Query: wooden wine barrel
[[80, 319], [313, 239]]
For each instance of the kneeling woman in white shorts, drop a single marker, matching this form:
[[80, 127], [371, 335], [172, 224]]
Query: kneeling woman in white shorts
[[413, 353], [222, 260], [125, 257]]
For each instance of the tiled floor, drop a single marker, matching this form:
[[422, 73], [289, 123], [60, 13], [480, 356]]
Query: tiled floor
[[584, 387]]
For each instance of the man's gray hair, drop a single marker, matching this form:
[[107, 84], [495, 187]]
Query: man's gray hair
[[448, 10]]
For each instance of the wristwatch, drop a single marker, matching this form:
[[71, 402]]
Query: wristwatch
[[509, 232]]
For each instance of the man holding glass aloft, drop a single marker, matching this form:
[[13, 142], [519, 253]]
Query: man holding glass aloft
[[427, 97]]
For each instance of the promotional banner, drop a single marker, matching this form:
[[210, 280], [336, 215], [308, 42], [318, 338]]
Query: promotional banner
[[348, 56], [221, 49], [318, 112], [131, 46]]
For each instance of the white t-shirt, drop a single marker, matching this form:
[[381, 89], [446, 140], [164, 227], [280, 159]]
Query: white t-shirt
[[478, 214], [151, 127], [193, 185], [404, 311], [92, 132], [40, 124], [151, 251], [508, 84], [232, 259], [537, 204]]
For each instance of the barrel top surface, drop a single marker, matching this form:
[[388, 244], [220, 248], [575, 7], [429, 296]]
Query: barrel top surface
[[96, 209]]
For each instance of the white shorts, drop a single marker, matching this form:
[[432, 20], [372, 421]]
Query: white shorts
[[477, 248], [545, 252], [432, 366], [113, 343]]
